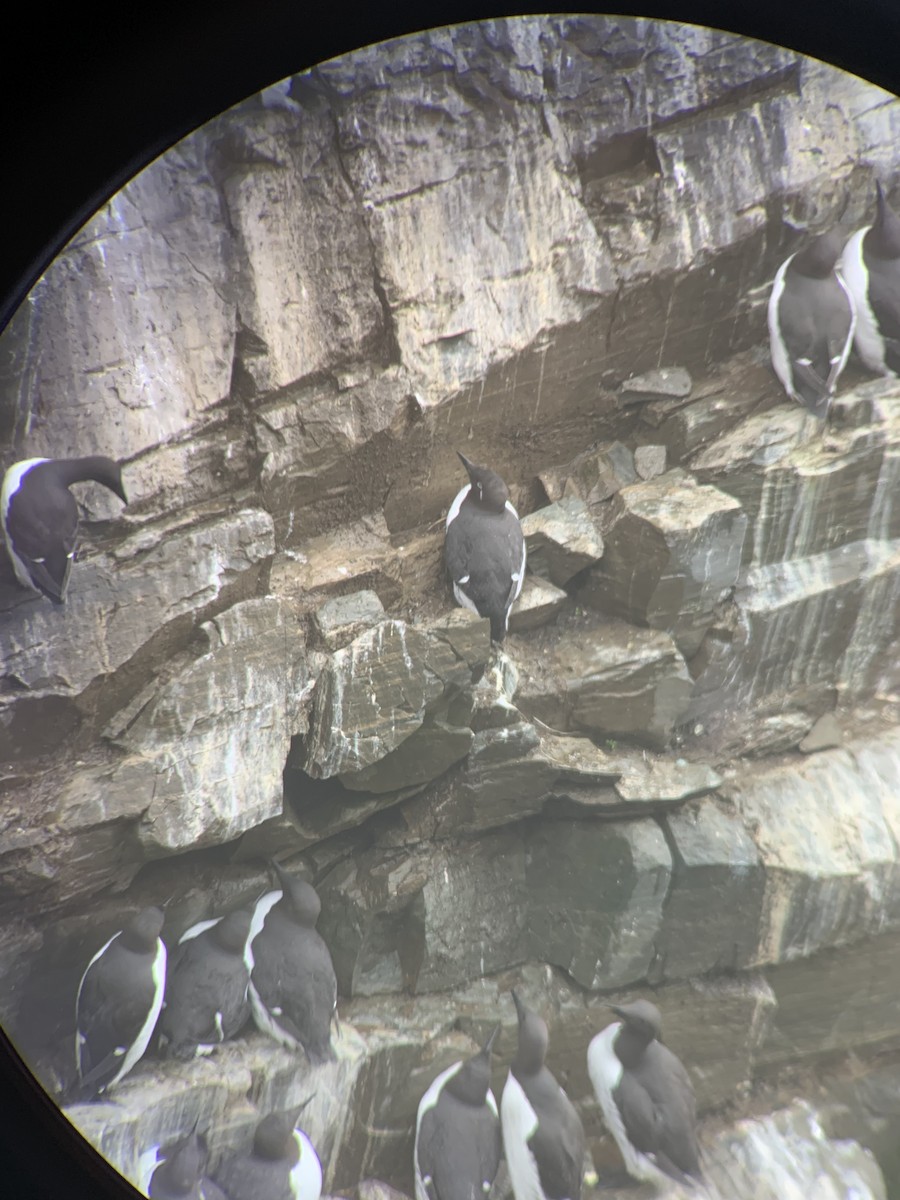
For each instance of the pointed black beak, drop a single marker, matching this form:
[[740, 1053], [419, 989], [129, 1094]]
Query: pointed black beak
[[467, 463]]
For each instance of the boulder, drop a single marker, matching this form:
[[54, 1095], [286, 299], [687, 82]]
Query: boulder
[[673, 553], [593, 476], [596, 892], [666, 381], [340, 620], [561, 540], [538, 603]]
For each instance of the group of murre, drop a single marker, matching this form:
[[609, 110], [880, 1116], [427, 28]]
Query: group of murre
[[272, 964]]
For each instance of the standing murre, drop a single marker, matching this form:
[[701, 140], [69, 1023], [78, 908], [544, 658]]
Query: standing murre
[[282, 1165], [118, 1002], [543, 1138], [206, 999], [293, 988], [176, 1171], [40, 517], [646, 1096], [458, 1142], [870, 265], [484, 548], [811, 318]]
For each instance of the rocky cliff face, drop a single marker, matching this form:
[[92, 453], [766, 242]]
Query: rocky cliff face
[[547, 242]]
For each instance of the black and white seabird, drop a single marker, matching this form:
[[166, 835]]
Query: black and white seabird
[[484, 548], [206, 998], [458, 1142], [870, 265], [811, 322], [646, 1097], [176, 1171], [118, 1003], [283, 1164], [40, 517], [543, 1137], [293, 988]]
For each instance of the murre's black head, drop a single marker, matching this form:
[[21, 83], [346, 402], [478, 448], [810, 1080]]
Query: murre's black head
[[817, 259], [232, 931], [642, 1017], [274, 1137], [95, 467], [301, 896], [143, 929], [471, 1082], [488, 489], [533, 1040], [883, 239]]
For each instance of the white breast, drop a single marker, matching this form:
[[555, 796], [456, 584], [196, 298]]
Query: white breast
[[518, 1121]]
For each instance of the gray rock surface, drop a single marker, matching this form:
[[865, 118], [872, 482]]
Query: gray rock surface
[[561, 540]]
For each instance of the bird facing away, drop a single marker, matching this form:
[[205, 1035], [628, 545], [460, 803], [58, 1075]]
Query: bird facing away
[[206, 998], [293, 988], [811, 322], [118, 1003], [646, 1097], [870, 265], [176, 1171], [484, 548], [458, 1142], [283, 1165], [40, 517], [543, 1137]]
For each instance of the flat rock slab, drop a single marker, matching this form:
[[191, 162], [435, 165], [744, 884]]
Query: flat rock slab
[[667, 381], [593, 476], [340, 620], [562, 540], [664, 779], [611, 680]]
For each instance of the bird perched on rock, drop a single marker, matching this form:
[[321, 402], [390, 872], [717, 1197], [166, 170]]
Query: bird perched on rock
[[543, 1137], [176, 1171], [458, 1142], [870, 265], [646, 1097], [283, 1164], [118, 1003], [811, 322], [293, 988], [484, 548], [206, 998], [40, 517]]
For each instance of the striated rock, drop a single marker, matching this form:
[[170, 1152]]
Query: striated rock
[[834, 1002], [595, 895], [340, 620], [302, 243], [608, 679], [143, 360], [562, 540], [350, 559], [375, 693], [788, 1153], [538, 603], [593, 476], [825, 832], [673, 552], [205, 749], [119, 600], [692, 426], [667, 381], [314, 437], [714, 905]]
